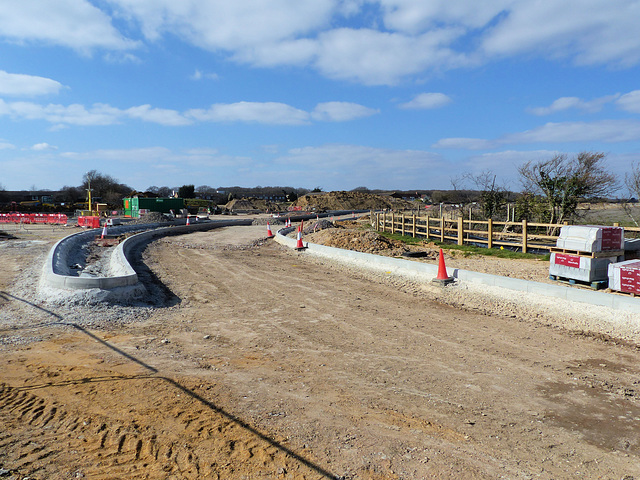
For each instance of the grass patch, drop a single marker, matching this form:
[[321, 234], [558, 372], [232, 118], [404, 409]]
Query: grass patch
[[467, 249], [408, 239]]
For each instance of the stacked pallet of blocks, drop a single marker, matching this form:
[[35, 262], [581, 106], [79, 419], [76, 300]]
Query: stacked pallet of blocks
[[583, 254]]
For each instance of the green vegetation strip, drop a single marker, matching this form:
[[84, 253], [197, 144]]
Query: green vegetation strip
[[467, 249]]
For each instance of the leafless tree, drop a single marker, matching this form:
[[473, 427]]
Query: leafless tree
[[563, 181]]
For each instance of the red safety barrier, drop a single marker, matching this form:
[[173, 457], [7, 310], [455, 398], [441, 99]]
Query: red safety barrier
[[91, 222], [37, 218]]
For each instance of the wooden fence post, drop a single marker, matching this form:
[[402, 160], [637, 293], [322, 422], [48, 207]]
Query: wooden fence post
[[393, 222], [414, 225], [490, 233], [460, 230], [402, 220], [428, 227], [524, 236], [442, 229]]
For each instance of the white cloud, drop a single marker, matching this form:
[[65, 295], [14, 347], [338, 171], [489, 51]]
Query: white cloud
[[75, 24], [353, 157], [418, 37], [198, 75], [567, 103], [505, 164], [589, 31], [464, 143], [16, 84], [393, 40], [425, 101], [43, 146], [297, 52], [417, 15], [6, 146], [372, 57], [270, 113], [609, 131], [74, 114], [630, 102], [175, 167], [224, 25], [498, 161], [341, 111], [160, 116], [360, 165], [267, 113]]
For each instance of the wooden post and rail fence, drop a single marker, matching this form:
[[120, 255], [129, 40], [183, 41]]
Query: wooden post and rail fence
[[522, 236]]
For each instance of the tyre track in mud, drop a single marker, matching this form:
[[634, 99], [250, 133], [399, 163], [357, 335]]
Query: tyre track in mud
[[43, 439]]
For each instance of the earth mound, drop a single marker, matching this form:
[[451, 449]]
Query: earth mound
[[251, 205], [358, 240], [321, 202]]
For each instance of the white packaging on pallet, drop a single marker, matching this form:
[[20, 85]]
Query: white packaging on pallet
[[625, 276], [591, 238], [576, 267]]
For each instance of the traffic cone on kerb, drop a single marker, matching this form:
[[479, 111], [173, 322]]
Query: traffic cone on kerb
[[299, 244], [104, 232], [269, 233], [443, 277]]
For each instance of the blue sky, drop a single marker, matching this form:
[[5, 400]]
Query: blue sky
[[390, 94]]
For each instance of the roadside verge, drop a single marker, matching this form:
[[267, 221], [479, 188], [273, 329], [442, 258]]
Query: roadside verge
[[423, 272]]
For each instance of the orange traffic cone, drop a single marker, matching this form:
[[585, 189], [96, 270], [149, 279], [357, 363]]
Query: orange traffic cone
[[187, 220], [104, 232], [443, 277], [299, 244], [269, 233]]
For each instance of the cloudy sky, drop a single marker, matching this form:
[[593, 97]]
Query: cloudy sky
[[392, 94]]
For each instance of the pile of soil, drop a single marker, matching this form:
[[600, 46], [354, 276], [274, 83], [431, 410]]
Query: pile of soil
[[358, 240], [252, 204], [269, 220], [151, 217], [351, 201], [318, 225]]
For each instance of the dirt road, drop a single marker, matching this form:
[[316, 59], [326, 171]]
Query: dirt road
[[264, 363]]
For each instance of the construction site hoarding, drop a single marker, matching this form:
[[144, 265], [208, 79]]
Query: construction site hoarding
[[133, 205]]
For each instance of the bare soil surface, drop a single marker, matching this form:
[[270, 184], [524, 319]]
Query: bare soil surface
[[320, 202], [260, 362]]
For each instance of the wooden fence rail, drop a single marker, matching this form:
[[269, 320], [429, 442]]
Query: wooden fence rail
[[519, 235]]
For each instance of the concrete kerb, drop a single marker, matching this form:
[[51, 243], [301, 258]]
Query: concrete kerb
[[426, 272], [56, 269]]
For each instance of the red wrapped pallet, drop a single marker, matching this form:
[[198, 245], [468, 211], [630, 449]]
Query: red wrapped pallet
[[625, 276]]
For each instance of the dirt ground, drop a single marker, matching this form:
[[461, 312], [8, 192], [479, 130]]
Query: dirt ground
[[353, 237], [248, 360]]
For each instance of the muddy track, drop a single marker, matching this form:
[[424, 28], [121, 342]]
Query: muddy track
[[43, 439], [273, 365]]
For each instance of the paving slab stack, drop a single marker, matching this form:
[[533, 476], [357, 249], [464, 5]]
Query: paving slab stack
[[584, 253], [625, 276]]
